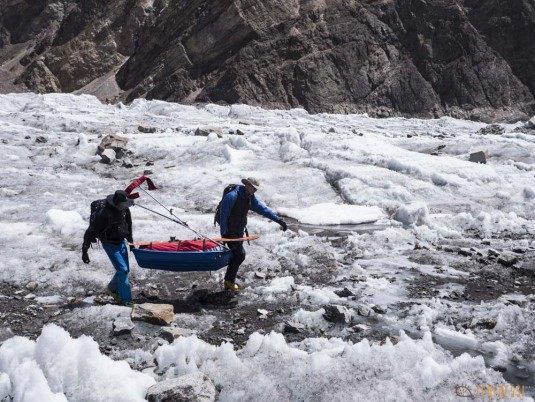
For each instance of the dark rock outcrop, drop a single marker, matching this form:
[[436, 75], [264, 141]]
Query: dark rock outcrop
[[466, 58]]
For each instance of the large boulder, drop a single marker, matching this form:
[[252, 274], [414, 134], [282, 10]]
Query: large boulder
[[158, 314], [194, 387], [479, 157], [113, 141], [336, 313]]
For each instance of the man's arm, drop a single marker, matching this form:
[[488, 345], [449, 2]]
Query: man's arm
[[226, 206], [95, 229], [258, 207]]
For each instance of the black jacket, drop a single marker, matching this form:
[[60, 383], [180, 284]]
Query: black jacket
[[110, 226]]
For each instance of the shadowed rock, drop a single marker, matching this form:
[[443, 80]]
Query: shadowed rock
[[465, 58]]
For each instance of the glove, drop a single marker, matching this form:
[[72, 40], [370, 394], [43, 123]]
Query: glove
[[283, 224], [85, 257]]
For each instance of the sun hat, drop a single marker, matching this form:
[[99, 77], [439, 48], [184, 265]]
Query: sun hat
[[252, 181], [120, 200]]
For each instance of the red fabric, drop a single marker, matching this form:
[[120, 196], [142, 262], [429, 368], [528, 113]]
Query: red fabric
[[182, 245], [136, 183]]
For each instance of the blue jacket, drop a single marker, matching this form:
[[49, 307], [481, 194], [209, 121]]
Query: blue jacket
[[230, 199]]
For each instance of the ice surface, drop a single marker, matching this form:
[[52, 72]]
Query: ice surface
[[333, 214], [57, 367], [321, 369], [390, 170]]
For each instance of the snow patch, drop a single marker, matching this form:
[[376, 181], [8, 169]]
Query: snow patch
[[334, 214]]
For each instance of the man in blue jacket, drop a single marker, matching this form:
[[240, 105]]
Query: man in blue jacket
[[233, 220]]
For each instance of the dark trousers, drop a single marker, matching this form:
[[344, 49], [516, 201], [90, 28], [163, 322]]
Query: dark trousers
[[238, 256]]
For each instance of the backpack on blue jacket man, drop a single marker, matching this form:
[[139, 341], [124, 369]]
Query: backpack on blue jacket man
[[112, 226], [234, 209]]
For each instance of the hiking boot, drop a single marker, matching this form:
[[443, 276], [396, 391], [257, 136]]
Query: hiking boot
[[232, 287], [113, 295], [128, 304]]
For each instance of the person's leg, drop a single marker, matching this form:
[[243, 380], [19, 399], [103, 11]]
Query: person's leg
[[238, 256], [113, 286], [118, 255]]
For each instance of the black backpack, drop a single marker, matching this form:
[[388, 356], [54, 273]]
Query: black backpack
[[217, 216], [97, 207]]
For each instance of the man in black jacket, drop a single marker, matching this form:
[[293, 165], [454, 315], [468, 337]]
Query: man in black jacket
[[112, 225]]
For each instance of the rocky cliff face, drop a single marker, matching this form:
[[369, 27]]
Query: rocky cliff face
[[467, 58]]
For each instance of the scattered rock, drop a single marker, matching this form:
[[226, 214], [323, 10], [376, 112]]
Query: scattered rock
[[107, 156], [193, 387], [127, 163], [519, 250], [172, 333], [379, 309], [516, 301], [239, 132], [147, 172], [531, 123], [487, 324], [452, 249], [344, 293], [364, 310], [206, 130], [293, 327], [145, 128], [31, 286], [158, 314], [494, 129], [150, 293], [41, 140], [122, 326], [360, 328], [465, 252], [507, 260], [454, 295], [336, 313], [260, 275], [479, 157], [493, 252], [262, 312]]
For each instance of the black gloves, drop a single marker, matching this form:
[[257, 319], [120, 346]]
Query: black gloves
[[283, 224], [85, 257]]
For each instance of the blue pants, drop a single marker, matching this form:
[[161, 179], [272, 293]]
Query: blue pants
[[118, 254]]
